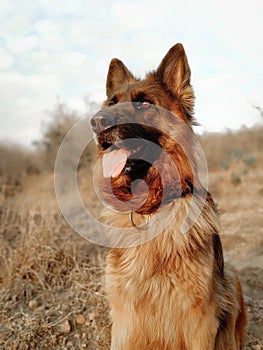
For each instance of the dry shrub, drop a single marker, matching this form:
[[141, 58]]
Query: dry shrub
[[15, 163], [225, 150], [55, 130]]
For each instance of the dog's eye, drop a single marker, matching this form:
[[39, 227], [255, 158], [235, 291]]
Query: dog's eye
[[113, 101], [146, 104]]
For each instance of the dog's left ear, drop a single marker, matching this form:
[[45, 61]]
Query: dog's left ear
[[175, 73]]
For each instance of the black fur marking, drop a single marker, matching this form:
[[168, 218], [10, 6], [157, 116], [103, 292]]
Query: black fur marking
[[218, 254]]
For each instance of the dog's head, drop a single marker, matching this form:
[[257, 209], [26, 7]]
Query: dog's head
[[144, 133]]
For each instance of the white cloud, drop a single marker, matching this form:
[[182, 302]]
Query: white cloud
[[25, 102], [73, 8], [6, 60], [51, 35], [77, 103], [22, 44], [15, 24]]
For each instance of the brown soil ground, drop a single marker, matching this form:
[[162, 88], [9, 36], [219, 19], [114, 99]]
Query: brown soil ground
[[51, 279]]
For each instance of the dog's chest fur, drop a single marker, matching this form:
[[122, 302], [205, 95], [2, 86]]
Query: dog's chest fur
[[168, 278]]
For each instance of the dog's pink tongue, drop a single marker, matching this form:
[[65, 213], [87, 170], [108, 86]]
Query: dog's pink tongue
[[113, 162]]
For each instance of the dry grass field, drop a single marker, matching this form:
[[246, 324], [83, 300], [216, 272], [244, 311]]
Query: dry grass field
[[51, 279]]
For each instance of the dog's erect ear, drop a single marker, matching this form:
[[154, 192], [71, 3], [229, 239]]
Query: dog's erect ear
[[175, 73], [118, 74]]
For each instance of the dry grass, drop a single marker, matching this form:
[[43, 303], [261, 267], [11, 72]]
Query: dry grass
[[51, 279], [51, 293]]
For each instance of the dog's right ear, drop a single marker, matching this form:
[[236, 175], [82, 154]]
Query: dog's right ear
[[118, 74]]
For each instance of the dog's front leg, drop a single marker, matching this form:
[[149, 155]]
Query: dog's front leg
[[200, 333], [121, 332]]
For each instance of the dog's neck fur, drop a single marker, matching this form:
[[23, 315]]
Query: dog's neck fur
[[173, 241]]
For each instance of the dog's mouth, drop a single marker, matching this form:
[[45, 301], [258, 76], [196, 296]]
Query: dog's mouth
[[125, 153]]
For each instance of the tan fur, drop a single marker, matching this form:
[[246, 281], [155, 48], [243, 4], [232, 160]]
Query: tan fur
[[173, 292]]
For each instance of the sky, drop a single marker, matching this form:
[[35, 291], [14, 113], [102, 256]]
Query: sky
[[59, 51]]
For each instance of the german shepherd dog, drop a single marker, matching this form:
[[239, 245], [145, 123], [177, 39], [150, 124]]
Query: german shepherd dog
[[173, 292]]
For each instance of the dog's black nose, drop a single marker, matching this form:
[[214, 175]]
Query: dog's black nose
[[102, 120]]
